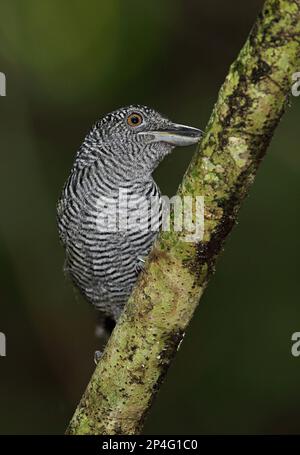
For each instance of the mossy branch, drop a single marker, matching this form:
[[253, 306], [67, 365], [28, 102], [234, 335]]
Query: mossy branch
[[144, 342]]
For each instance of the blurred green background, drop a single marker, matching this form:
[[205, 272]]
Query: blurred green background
[[67, 63]]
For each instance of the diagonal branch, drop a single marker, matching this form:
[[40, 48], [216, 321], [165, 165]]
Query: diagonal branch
[[249, 107]]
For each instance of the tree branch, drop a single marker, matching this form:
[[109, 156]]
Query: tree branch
[[145, 340]]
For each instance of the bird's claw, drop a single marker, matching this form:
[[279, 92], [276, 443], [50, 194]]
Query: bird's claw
[[140, 266], [97, 356]]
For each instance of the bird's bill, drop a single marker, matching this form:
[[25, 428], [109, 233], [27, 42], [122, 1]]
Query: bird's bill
[[177, 135]]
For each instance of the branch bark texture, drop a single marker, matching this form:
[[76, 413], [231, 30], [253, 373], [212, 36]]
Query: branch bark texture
[[249, 107]]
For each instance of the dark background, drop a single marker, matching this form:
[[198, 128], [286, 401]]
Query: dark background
[[67, 63]]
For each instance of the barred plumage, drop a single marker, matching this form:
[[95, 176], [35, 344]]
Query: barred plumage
[[116, 158]]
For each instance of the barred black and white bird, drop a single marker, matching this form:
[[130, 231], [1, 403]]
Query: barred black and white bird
[[118, 156]]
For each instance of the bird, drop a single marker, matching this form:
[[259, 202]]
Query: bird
[[117, 156]]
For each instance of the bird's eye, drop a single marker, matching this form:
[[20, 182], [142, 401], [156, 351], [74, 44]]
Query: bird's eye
[[134, 120]]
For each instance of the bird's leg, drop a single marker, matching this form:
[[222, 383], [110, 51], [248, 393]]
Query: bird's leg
[[103, 330], [99, 333]]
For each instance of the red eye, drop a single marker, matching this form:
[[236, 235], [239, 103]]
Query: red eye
[[134, 120]]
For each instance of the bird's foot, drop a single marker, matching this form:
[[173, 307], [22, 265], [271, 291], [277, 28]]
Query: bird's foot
[[140, 266], [97, 356]]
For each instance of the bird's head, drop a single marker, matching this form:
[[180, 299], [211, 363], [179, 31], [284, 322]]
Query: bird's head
[[137, 138]]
